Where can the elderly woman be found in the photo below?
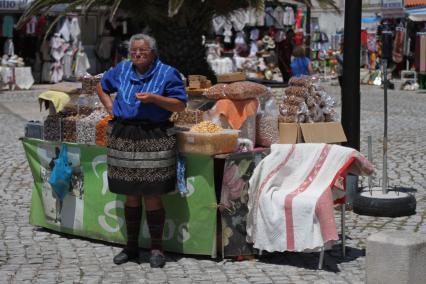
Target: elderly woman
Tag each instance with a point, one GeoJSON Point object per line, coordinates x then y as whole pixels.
{"type": "Point", "coordinates": [141, 149]}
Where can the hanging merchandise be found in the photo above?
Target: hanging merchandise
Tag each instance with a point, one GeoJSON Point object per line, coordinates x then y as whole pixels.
{"type": "Point", "coordinates": [371, 41]}
{"type": "Point", "coordinates": [289, 19]}
{"type": "Point", "coordinates": [299, 16]}
{"type": "Point", "coordinates": [398, 45]}
{"type": "Point", "coordinates": [65, 30]}
{"type": "Point", "coordinates": [269, 19]}
{"type": "Point", "coordinates": [227, 33]}
{"type": "Point", "coordinates": [8, 24]}
{"type": "Point", "coordinates": [218, 24]}
{"type": "Point", "coordinates": [41, 26]}
{"type": "Point", "coordinates": [9, 48]}
{"type": "Point", "coordinates": [68, 59]}
{"type": "Point", "coordinates": [279, 17]}
{"type": "Point", "coordinates": [81, 63]}
{"type": "Point", "coordinates": [254, 34]}
{"type": "Point", "coordinates": [240, 44]}
{"type": "Point", "coordinates": [57, 47]}
{"type": "Point", "coordinates": [420, 58]}
{"type": "Point", "coordinates": [364, 38]}
{"type": "Point", "coordinates": [30, 27]}
{"type": "Point", "coordinates": [239, 19]}
{"type": "Point", "coordinates": [56, 72]}
{"type": "Point", "coordinates": [75, 30]}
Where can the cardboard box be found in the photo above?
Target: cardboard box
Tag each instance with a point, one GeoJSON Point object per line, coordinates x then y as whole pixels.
{"type": "Point", "coordinates": [320, 132]}
{"type": "Point", "coordinates": [200, 78]}
{"type": "Point", "coordinates": [231, 77]}
{"type": "Point", "coordinates": [194, 84]}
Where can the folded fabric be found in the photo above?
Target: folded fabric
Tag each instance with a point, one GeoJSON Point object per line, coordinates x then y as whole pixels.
{"type": "Point", "coordinates": [291, 195]}
{"type": "Point", "coordinates": [236, 112]}
{"type": "Point", "coordinates": [58, 99]}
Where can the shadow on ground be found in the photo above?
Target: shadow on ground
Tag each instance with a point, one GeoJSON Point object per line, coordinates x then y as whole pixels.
{"type": "Point", "coordinates": [332, 257]}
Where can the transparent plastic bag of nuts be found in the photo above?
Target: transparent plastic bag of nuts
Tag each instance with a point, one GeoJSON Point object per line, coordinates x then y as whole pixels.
{"type": "Point", "coordinates": [216, 92]}
{"type": "Point", "coordinates": [246, 90]}
{"type": "Point", "coordinates": [267, 132]}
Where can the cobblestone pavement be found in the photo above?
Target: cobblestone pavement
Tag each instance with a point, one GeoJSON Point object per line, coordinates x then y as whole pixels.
{"type": "Point", "coordinates": [35, 255]}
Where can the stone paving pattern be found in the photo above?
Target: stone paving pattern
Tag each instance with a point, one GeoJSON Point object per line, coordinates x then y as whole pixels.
{"type": "Point", "coordinates": [35, 255]}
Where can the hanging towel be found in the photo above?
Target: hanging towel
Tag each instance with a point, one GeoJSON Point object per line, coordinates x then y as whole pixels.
{"type": "Point", "coordinates": [236, 112]}
{"type": "Point", "coordinates": [291, 195]}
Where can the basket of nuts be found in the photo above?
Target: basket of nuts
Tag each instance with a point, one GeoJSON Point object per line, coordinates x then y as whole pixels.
{"type": "Point", "coordinates": [207, 138]}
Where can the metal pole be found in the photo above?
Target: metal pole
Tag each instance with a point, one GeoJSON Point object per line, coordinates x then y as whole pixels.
{"type": "Point", "coordinates": [343, 224]}
{"type": "Point", "coordinates": [370, 158]}
{"type": "Point", "coordinates": [385, 130]}
{"type": "Point", "coordinates": [351, 70]}
{"type": "Point", "coordinates": [308, 32]}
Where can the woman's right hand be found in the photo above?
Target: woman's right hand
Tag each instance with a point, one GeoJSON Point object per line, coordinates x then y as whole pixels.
{"type": "Point", "coordinates": [109, 110]}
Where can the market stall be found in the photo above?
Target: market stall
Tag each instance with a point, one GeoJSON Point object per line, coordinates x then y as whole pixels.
{"type": "Point", "coordinates": [223, 135]}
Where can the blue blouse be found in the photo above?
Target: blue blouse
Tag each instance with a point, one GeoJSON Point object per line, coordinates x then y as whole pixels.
{"type": "Point", "coordinates": [299, 66]}
{"type": "Point", "coordinates": [160, 79]}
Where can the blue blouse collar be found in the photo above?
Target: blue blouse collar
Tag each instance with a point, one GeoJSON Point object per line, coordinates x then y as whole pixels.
{"type": "Point", "coordinates": [135, 76]}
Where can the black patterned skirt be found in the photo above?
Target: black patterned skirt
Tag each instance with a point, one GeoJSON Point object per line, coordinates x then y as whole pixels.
{"type": "Point", "coordinates": [141, 157]}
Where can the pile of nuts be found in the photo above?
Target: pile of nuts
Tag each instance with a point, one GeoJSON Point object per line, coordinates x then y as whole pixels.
{"type": "Point", "coordinates": [52, 127]}
{"type": "Point", "coordinates": [89, 83]}
{"type": "Point", "coordinates": [304, 102]}
{"type": "Point", "coordinates": [186, 117]}
{"type": "Point", "coordinates": [216, 92]}
{"type": "Point", "coordinates": [267, 132]}
{"type": "Point", "coordinates": [101, 131]}
{"type": "Point", "coordinates": [245, 90]}
{"type": "Point", "coordinates": [86, 127]}
{"type": "Point", "coordinates": [206, 127]}
{"type": "Point", "coordinates": [69, 128]}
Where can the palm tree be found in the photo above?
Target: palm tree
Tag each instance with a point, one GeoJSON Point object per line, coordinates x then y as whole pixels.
{"type": "Point", "coordinates": [177, 25]}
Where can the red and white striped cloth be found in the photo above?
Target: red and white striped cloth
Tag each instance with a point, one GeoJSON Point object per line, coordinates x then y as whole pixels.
{"type": "Point", "coordinates": [291, 195]}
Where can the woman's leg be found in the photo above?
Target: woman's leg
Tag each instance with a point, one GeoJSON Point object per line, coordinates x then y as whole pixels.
{"type": "Point", "coordinates": [133, 216]}
{"type": "Point", "coordinates": [155, 217]}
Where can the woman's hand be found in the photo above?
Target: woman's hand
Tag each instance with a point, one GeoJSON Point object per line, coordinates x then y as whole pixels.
{"type": "Point", "coordinates": [146, 97]}
{"type": "Point", "coordinates": [170, 104]}
{"type": "Point", "coordinates": [109, 110]}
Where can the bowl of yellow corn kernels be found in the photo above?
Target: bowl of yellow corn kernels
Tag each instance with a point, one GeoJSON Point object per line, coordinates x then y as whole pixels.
{"type": "Point", "coordinates": [207, 138]}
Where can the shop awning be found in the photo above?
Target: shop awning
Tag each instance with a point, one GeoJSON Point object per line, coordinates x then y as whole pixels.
{"type": "Point", "coordinates": [414, 3]}
{"type": "Point", "coordinates": [417, 15]}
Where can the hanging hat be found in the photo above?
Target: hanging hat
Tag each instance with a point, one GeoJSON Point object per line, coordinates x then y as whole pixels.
{"type": "Point", "coordinates": [266, 39]}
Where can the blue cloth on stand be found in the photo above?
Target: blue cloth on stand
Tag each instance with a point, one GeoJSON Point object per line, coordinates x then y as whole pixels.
{"type": "Point", "coordinates": [181, 174]}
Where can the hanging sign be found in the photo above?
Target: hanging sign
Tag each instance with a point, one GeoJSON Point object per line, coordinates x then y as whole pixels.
{"type": "Point", "coordinates": [393, 9]}
{"type": "Point", "coordinates": [14, 5]}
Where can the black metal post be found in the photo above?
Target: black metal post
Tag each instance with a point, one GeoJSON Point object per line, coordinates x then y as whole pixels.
{"type": "Point", "coordinates": [351, 69]}
{"type": "Point", "coordinates": [308, 32]}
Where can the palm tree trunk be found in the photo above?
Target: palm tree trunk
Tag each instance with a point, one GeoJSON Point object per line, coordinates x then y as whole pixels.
{"type": "Point", "coordinates": [183, 49]}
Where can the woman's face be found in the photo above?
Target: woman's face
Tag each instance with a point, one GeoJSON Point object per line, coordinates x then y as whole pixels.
{"type": "Point", "coordinates": [141, 54]}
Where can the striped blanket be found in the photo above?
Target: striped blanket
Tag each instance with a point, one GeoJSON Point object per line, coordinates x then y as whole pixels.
{"type": "Point", "coordinates": [291, 195]}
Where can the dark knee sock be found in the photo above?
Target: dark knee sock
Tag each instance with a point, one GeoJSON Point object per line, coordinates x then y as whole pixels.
{"type": "Point", "coordinates": [133, 217]}
{"type": "Point", "coordinates": [155, 220]}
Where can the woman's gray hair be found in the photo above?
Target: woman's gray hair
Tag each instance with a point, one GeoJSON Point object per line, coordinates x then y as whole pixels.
{"type": "Point", "coordinates": [149, 39]}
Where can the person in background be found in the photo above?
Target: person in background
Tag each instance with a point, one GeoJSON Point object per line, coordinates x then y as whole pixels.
{"type": "Point", "coordinates": [141, 155]}
{"type": "Point", "coordinates": [300, 65]}
{"type": "Point", "coordinates": [284, 52]}
{"type": "Point", "coordinates": [339, 67]}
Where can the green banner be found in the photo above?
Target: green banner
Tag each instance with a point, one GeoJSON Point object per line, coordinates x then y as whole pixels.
{"type": "Point", "coordinates": [90, 210]}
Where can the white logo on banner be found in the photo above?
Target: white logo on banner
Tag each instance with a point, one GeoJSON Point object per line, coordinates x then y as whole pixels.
{"type": "Point", "coordinates": [113, 205]}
